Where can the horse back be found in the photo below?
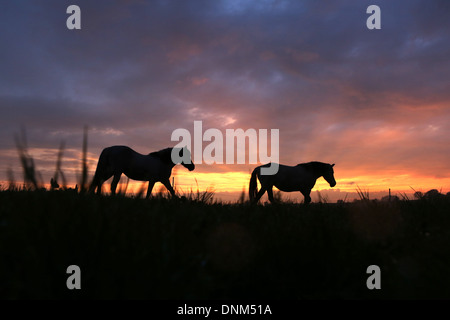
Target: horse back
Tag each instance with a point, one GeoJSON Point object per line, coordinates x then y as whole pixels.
{"type": "Point", "coordinates": [117, 158]}
{"type": "Point", "coordinates": [119, 152]}
{"type": "Point", "coordinates": [136, 166]}
{"type": "Point", "coordinates": [289, 178]}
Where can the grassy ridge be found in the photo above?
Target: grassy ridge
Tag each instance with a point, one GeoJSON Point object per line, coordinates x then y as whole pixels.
{"type": "Point", "coordinates": [174, 249]}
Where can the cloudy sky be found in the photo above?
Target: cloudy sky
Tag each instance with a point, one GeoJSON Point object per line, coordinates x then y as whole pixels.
{"type": "Point", "coordinates": [375, 102]}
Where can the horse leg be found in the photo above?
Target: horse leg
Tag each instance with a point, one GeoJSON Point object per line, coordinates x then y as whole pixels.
{"type": "Point", "coordinates": [98, 182]}
{"type": "Point", "coordinates": [149, 189]}
{"type": "Point", "coordinates": [306, 195]}
{"type": "Point", "coordinates": [93, 185]}
{"type": "Point", "coordinates": [270, 194]}
{"type": "Point", "coordinates": [102, 180]}
{"type": "Point", "coordinates": [260, 194]}
{"type": "Point", "coordinates": [166, 183]}
{"type": "Point", "coordinates": [115, 182]}
{"type": "Point", "coordinates": [98, 185]}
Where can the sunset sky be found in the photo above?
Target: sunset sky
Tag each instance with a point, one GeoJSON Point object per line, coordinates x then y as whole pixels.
{"type": "Point", "coordinates": [375, 102]}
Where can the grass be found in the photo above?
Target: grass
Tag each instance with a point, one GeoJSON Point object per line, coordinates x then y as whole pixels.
{"type": "Point", "coordinates": [183, 249]}
{"type": "Point", "coordinates": [364, 195]}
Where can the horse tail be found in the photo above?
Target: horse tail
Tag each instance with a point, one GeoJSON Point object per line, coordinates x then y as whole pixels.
{"type": "Point", "coordinates": [253, 186]}
{"type": "Point", "coordinates": [101, 165]}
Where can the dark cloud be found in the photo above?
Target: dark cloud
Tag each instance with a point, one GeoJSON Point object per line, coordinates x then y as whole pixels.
{"type": "Point", "coordinates": [140, 69]}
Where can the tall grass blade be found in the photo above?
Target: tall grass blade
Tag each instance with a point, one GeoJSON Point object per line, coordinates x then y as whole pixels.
{"type": "Point", "coordinates": [27, 162]}
{"type": "Point", "coordinates": [84, 166]}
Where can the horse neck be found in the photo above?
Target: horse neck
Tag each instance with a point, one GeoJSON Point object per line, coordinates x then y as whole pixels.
{"type": "Point", "coordinates": [171, 165]}
{"type": "Point", "coordinates": [164, 156]}
{"type": "Point", "coordinates": [316, 172]}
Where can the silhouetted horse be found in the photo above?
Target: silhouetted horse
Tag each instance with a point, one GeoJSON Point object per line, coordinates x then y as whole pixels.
{"type": "Point", "coordinates": [154, 167]}
{"type": "Point", "coordinates": [301, 177]}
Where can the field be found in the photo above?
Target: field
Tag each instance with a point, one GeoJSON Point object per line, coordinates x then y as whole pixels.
{"type": "Point", "coordinates": [198, 249]}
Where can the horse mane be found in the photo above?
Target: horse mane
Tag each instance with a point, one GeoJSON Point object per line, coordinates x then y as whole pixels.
{"type": "Point", "coordinates": [165, 155]}
{"type": "Point", "coordinates": [314, 166]}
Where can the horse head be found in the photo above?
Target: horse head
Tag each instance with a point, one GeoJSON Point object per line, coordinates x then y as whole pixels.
{"type": "Point", "coordinates": [328, 175]}
{"type": "Point", "coordinates": [183, 157]}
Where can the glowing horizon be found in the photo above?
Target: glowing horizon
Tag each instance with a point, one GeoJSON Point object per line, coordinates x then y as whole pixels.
{"type": "Point", "coordinates": [375, 102]}
{"type": "Point", "coordinates": [229, 185]}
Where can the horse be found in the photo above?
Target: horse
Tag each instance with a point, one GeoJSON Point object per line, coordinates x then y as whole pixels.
{"type": "Point", "coordinates": [301, 177]}
{"type": "Point", "coordinates": [153, 167]}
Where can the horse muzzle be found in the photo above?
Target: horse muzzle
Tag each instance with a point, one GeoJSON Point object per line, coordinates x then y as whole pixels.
{"type": "Point", "coordinates": [332, 184]}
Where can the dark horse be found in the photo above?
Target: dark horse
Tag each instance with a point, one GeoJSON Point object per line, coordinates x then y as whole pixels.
{"type": "Point", "coordinates": [301, 177]}
{"type": "Point", "coordinates": [154, 167]}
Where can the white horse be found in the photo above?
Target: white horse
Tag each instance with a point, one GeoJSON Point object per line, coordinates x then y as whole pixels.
{"type": "Point", "coordinates": [301, 177]}
{"type": "Point", "coordinates": [154, 167]}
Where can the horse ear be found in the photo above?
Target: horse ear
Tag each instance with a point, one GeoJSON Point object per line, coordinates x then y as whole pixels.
{"type": "Point", "coordinates": [332, 165]}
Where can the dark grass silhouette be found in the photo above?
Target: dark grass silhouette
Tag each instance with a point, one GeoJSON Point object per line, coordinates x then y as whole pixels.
{"type": "Point", "coordinates": [179, 249]}
{"type": "Point", "coordinates": [84, 166]}
{"type": "Point", "coordinates": [58, 171]}
{"type": "Point", "coordinates": [30, 175]}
